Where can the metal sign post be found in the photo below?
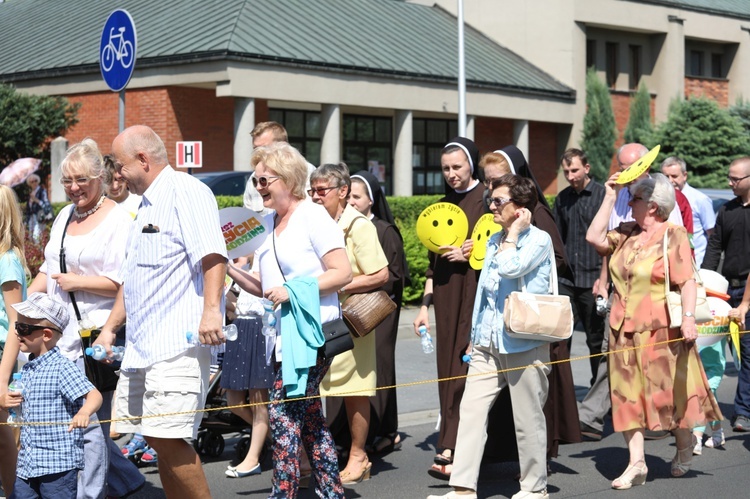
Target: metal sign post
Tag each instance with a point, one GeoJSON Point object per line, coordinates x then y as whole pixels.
{"type": "Point", "coordinates": [117, 54]}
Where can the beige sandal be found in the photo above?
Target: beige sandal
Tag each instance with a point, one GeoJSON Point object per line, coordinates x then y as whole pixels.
{"type": "Point", "coordinates": [633, 475]}
{"type": "Point", "coordinates": [683, 459]}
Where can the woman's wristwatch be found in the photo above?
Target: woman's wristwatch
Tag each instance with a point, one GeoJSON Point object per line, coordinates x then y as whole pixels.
{"type": "Point", "coordinates": [689, 314]}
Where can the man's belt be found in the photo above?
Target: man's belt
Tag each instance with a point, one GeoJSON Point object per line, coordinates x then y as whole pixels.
{"type": "Point", "coordinates": [737, 283]}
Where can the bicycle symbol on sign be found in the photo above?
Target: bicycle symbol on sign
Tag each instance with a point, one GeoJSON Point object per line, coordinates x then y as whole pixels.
{"type": "Point", "coordinates": [123, 52]}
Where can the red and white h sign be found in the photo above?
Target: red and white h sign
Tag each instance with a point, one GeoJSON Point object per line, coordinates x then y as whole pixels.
{"type": "Point", "coordinates": [189, 154]}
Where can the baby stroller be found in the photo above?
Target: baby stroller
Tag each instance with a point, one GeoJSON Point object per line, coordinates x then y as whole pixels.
{"type": "Point", "coordinates": [218, 422]}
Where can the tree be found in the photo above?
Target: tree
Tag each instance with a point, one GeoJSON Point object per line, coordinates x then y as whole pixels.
{"type": "Point", "coordinates": [707, 137]}
{"type": "Point", "coordinates": [639, 128]}
{"type": "Point", "coordinates": [599, 134]}
{"type": "Point", "coordinates": [27, 122]}
{"type": "Point", "coordinates": [741, 111]}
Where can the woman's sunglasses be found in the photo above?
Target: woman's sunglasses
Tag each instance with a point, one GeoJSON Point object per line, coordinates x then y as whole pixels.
{"type": "Point", "coordinates": [320, 191]}
{"type": "Point", "coordinates": [263, 181]}
{"type": "Point", "coordinates": [499, 202]}
{"type": "Point", "coordinates": [24, 329]}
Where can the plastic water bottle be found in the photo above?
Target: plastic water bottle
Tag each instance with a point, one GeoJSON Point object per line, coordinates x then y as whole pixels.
{"type": "Point", "coordinates": [98, 352]}
{"type": "Point", "coordinates": [14, 413]}
{"type": "Point", "coordinates": [601, 305]}
{"type": "Point", "coordinates": [269, 318]}
{"type": "Point", "coordinates": [230, 334]}
{"type": "Point", "coordinates": [427, 346]}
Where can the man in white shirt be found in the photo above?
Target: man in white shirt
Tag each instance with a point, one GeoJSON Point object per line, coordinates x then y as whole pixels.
{"type": "Point", "coordinates": [704, 218]}
{"type": "Point", "coordinates": [173, 279]}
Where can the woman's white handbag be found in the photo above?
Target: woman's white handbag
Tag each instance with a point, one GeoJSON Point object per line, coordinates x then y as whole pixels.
{"type": "Point", "coordinates": [674, 299]}
{"type": "Point", "coordinates": [539, 317]}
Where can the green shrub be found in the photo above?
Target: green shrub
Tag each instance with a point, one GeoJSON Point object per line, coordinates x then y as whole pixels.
{"type": "Point", "coordinates": [599, 134]}
{"type": "Point", "coordinates": [639, 128]}
{"type": "Point", "coordinates": [406, 210]}
{"type": "Point", "coordinates": [706, 136]}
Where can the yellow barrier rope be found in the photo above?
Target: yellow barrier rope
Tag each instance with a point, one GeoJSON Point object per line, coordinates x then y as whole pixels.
{"type": "Point", "coordinates": [354, 392]}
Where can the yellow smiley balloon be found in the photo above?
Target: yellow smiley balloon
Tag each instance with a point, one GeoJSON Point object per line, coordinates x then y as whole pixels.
{"type": "Point", "coordinates": [484, 228]}
{"type": "Point", "coordinates": [442, 224]}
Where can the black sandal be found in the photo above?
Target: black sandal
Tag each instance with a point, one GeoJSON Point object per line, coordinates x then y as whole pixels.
{"type": "Point", "coordinates": [385, 444]}
{"type": "Point", "coordinates": [442, 459]}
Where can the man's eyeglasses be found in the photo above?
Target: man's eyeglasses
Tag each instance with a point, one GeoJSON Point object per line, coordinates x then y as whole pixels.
{"type": "Point", "coordinates": [80, 181]}
{"type": "Point", "coordinates": [735, 180]}
{"type": "Point", "coordinates": [24, 329]}
{"type": "Point", "coordinates": [499, 202]}
{"type": "Point", "coordinates": [264, 181]}
{"type": "Point", "coordinates": [320, 191]}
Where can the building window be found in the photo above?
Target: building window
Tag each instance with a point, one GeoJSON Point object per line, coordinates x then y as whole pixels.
{"type": "Point", "coordinates": [612, 66]}
{"type": "Point", "coordinates": [368, 145]}
{"type": "Point", "coordinates": [696, 63]}
{"type": "Point", "coordinates": [635, 66]}
{"type": "Point", "coordinates": [590, 54]}
{"type": "Point", "coordinates": [429, 138]}
{"type": "Point", "coordinates": [303, 128]}
{"type": "Point", "coordinates": [716, 69]}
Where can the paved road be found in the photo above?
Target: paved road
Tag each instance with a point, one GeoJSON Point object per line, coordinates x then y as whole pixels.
{"type": "Point", "coordinates": [581, 470]}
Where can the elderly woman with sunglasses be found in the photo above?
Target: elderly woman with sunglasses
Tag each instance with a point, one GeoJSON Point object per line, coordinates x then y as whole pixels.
{"type": "Point", "coordinates": [518, 254]}
{"type": "Point", "coordinates": [653, 386]}
{"type": "Point", "coordinates": [353, 371]}
{"type": "Point", "coordinates": [90, 230]}
{"type": "Point", "coordinates": [304, 248]}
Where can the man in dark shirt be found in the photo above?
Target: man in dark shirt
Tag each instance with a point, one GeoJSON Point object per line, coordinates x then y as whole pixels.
{"type": "Point", "coordinates": [732, 236]}
{"type": "Point", "coordinates": [575, 207]}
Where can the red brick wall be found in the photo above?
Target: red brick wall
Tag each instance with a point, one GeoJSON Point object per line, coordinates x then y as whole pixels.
{"type": "Point", "coordinates": [621, 108]}
{"type": "Point", "coordinates": [714, 89]}
{"type": "Point", "coordinates": [175, 113]}
{"type": "Point", "coordinates": [543, 154]}
{"type": "Point", "coordinates": [491, 134]}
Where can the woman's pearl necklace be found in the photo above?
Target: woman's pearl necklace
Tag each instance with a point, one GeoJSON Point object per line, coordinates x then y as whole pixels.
{"type": "Point", "coordinates": [98, 205]}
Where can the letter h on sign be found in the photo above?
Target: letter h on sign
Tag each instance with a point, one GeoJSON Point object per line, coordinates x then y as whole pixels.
{"type": "Point", "coordinates": [189, 154]}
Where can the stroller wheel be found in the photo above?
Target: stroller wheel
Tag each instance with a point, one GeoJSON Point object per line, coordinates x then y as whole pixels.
{"type": "Point", "coordinates": [199, 442]}
{"type": "Point", "coordinates": [213, 444]}
{"type": "Point", "coordinates": [242, 447]}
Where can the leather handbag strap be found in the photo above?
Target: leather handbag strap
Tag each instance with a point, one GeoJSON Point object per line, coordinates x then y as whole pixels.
{"type": "Point", "coordinates": [552, 277]}
{"type": "Point", "coordinates": [63, 265]}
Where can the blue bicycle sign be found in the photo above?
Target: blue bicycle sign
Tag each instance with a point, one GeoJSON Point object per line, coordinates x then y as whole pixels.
{"type": "Point", "coordinates": [117, 50]}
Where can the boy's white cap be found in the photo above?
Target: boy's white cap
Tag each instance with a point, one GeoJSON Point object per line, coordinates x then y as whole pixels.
{"type": "Point", "coordinates": [41, 306]}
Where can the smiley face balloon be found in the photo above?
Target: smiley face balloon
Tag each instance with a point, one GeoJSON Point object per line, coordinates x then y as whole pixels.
{"type": "Point", "coordinates": [484, 228]}
{"type": "Point", "coordinates": [442, 224]}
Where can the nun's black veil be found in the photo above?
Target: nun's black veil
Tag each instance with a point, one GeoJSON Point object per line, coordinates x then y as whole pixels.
{"type": "Point", "coordinates": [382, 211]}
{"type": "Point", "coordinates": [470, 149]}
{"type": "Point", "coordinates": [520, 166]}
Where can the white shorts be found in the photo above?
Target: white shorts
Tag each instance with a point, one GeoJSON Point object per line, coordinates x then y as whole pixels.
{"type": "Point", "coordinates": [177, 385]}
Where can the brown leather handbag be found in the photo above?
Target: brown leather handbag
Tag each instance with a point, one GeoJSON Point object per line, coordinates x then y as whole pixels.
{"type": "Point", "coordinates": [363, 312]}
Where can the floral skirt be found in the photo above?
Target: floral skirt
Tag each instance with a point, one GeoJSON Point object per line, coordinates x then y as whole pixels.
{"type": "Point", "coordinates": [662, 387]}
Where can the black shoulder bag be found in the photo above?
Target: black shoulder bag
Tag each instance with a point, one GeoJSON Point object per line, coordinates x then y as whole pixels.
{"type": "Point", "coordinates": [103, 376]}
{"type": "Point", "coordinates": [337, 337]}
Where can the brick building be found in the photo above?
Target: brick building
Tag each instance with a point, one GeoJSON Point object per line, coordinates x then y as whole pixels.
{"type": "Point", "coordinates": [373, 82]}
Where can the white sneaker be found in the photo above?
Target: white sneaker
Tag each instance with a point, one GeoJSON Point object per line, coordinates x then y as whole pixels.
{"type": "Point", "coordinates": [698, 449]}
{"type": "Point", "coordinates": [540, 494]}
{"type": "Point", "coordinates": [717, 439]}
{"type": "Point", "coordinates": [454, 495]}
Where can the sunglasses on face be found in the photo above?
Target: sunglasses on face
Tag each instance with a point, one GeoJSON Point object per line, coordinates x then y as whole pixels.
{"type": "Point", "coordinates": [23, 329]}
{"type": "Point", "coordinates": [499, 202]}
{"type": "Point", "coordinates": [264, 181]}
{"type": "Point", "coordinates": [320, 191]}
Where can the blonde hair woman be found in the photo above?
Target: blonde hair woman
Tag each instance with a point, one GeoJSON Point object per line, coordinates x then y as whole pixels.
{"type": "Point", "coordinates": [13, 280]}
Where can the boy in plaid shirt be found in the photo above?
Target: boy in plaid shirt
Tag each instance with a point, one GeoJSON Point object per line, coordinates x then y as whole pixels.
{"type": "Point", "coordinates": [54, 390]}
